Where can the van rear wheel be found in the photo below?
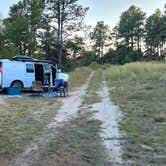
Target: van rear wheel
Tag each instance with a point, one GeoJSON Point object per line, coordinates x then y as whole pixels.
{"type": "Point", "coordinates": [17, 84]}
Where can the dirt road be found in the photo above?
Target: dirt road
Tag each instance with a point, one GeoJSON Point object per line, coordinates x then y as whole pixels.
{"type": "Point", "coordinates": [105, 112]}
{"type": "Point", "coordinates": [70, 106]}
{"type": "Point", "coordinates": [110, 116]}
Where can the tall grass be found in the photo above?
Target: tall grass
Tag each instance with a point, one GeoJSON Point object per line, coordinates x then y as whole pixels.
{"type": "Point", "coordinates": [78, 77]}
{"type": "Point", "coordinates": [140, 91]}
{"type": "Point", "coordinates": [137, 72]}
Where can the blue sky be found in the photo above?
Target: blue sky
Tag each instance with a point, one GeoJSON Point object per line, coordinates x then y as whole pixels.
{"type": "Point", "coordinates": [103, 10]}
{"type": "Point", "coordinates": [110, 10]}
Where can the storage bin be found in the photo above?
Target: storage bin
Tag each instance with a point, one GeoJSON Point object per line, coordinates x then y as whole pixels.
{"type": "Point", "coordinates": [13, 91]}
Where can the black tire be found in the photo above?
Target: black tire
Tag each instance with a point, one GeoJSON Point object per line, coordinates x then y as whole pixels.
{"type": "Point", "coordinates": [17, 84]}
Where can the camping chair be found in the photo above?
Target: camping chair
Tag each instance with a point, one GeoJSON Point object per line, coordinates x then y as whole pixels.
{"type": "Point", "coordinates": [37, 88]}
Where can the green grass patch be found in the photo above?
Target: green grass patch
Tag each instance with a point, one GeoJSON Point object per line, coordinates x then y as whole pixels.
{"type": "Point", "coordinates": [94, 86]}
{"type": "Point", "coordinates": [139, 90]}
{"type": "Point", "coordinates": [77, 143]}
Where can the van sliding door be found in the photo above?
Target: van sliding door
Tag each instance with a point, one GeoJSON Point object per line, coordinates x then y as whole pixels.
{"type": "Point", "coordinates": [0, 74]}
{"type": "Point", "coordinates": [47, 74]}
{"type": "Point", "coordinates": [53, 75]}
{"type": "Point", "coordinates": [39, 73]}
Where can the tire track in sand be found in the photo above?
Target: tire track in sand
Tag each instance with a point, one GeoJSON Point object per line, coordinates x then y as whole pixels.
{"type": "Point", "coordinates": [109, 115]}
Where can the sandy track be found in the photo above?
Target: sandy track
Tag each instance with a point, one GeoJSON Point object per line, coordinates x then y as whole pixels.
{"type": "Point", "coordinates": [70, 105]}
{"type": "Point", "coordinates": [110, 116]}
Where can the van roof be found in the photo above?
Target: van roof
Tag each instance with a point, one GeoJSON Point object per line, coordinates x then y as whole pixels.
{"type": "Point", "coordinates": [28, 60]}
{"type": "Point", "coordinates": [4, 60]}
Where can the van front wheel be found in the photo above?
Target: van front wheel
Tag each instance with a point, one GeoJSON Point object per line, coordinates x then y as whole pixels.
{"type": "Point", "coordinates": [17, 84]}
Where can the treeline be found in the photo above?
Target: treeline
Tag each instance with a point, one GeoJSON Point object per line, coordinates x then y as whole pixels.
{"type": "Point", "coordinates": [135, 38]}
{"type": "Point", "coordinates": [48, 29]}
{"type": "Point", "coordinates": [41, 28]}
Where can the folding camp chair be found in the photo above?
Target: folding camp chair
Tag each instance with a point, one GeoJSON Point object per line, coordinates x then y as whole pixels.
{"type": "Point", "coordinates": [37, 88]}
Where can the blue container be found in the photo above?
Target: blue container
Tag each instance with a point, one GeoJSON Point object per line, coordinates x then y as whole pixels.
{"type": "Point", "coordinates": [13, 91]}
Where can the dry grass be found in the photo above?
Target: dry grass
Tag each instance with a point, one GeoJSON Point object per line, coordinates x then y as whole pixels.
{"type": "Point", "coordinates": [77, 143]}
{"type": "Point", "coordinates": [94, 86]}
{"type": "Point", "coordinates": [139, 89]}
{"type": "Point", "coordinates": [21, 120]}
{"type": "Point", "coordinates": [78, 77]}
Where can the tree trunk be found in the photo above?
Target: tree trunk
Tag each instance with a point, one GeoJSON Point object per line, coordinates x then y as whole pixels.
{"type": "Point", "coordinates": [20, 48]}
{"type": "Point", "coordinates": [132, 42]}
{"type": "Point", "coordinates": [59, 51]}
{"type": "Point", "coordinates": [61, 34]}
{"type": "Point", "coordinates": [138, 37]}
{"type": "Point", "coordinates": [158, 52]}
{"type": "Point", "coordinates": [101, 53]}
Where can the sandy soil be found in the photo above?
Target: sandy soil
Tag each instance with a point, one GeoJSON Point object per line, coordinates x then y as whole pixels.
{"type": "Point", "coordinates": [70, 105]}
{"type": "Point", "coordinates": [109, 115]}
{"type": "Point", "coordinates": [2, 102]}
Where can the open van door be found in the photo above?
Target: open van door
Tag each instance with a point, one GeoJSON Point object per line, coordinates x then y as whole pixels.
{"type": "Point", "coordinates": [53, 74]}
{"type": "Point", "coordinates": [39, 73]}
{"type": "Point", "coordinates": [0, 74]}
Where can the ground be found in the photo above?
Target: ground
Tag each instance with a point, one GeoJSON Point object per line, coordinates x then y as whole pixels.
{"type": "Point", "coordinates": [113, 116]}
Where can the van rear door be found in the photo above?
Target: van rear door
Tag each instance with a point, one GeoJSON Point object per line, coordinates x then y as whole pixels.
{"type": "Point", "coordinates": [0, 74]}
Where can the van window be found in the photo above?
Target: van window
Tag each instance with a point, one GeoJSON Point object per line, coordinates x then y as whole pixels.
{"type": "Point", "coordinates": [29, 68]}
{"type": "Point", "coordinates": [47, 68]}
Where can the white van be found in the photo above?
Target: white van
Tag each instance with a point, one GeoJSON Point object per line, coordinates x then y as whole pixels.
{"type": "Point", "coordinates": [22, 73]}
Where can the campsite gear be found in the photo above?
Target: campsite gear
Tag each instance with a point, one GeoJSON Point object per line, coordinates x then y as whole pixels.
{"type": "Point", "coordinates": [37, 88]}
{"type": "Point", "coordinates": [13, 91]}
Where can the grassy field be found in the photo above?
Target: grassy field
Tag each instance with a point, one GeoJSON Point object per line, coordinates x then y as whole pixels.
{"type": "Point", "coordinates": [22, 119]}
{"type": "Point", "coordinates": [140, 91]}
{"type": "Point", "coordinates": [78, 141]}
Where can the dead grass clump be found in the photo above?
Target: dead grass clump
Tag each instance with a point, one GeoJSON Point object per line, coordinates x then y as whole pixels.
{"type": "Point", "coordinates": [161, 117]}
{"type": "Point", "coordinates": [78, 77]}
{"type": "Point", "coordinates": [94, 85]}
